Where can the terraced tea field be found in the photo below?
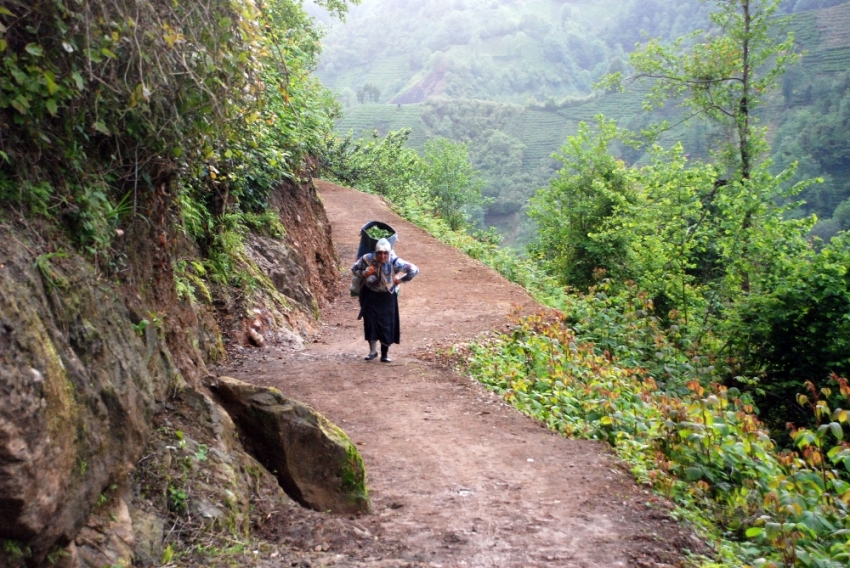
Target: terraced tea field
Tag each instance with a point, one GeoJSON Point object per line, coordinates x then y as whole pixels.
{"type": "Point", "coordinates": [388, 75]}
{"type": "Point", "coordinates": [823, 35]}
{"type": "Point", "coordinates": [834, 26]}
{"type": "Point", "coordinates": [542, 132]}
{"type": "Point", "coordinates": [361, 120]}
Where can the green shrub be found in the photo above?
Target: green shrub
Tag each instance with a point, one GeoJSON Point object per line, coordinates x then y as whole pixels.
{"type": "Point", "coordinates": [702, 446]}
{"type": "Point", "coordinates": [798, 331]}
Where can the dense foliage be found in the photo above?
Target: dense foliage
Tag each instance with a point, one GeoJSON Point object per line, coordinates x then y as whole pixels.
{"type": "Point", "coordinates": [578, 202]}
{"type": "Point", "coordinates": [701, 446]}
{"type": "Point", "coordinates": [441, 182]}
{"type": "Point", "coordinates": [712, 244]}
{"type": "Point", "coordinates": [108, 106]}
{"type": "Point", "coordinates": [451, 181]}
{"type": "Point", "coordinates": [797, 330]}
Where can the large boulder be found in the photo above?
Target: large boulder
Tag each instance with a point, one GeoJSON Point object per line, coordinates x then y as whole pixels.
{"type": "Point", "coordinates": [315, 462]}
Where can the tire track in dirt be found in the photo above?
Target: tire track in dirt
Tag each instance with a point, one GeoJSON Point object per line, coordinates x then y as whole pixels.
{"type": "Point", "coordinates": [457, 477]}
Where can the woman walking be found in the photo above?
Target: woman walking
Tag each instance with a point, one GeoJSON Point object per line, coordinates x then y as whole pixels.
{"type": "Point", "coordinates": [381, 273]}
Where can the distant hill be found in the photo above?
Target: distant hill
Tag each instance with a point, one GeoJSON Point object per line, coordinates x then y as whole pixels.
{"type": "Point", "coordinates": [501, 50]}
{"type": "Point", "coordinates": [513, 80]}
{"type": "Point", "coordinates": [809, 118]}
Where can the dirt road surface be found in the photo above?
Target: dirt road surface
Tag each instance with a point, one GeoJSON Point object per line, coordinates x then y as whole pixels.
{"type": "Point", "coordinates": [457, 478]}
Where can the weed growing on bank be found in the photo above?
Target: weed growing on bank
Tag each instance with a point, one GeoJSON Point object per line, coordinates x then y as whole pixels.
{"type": "Point", "coordinates": [701, 446]}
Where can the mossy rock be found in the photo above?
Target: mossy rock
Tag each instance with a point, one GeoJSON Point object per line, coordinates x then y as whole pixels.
{"type": "Point", "coordinates": [314, 460]}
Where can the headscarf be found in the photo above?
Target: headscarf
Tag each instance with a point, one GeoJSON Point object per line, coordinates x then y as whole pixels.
{"type": "Point", "coordinates": [383, 245]}
{"type": "Point", "coordinates": [385, 270]}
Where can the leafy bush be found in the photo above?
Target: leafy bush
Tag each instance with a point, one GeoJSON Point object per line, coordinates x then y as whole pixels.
{"type": "Point", "coordinates": [376, 165]}
{"type": "Point", "coordinates": [702, 446]}
{"type": "Point", "coordinates": [442, 181]}
{"type": "Point", "coordinates": [797, 331]}
{"type": "Point", "coordinates": [578, 202]}
{"type": "Point", "coordinates": [620, 321]}
{"type": "Point", "coordinates": [452, 183]}
{"type": "Point", "coordinates": [105, 104]}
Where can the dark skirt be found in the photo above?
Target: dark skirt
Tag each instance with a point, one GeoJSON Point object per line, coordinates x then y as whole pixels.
{"type": "Point", "coordinates": [379, 311]}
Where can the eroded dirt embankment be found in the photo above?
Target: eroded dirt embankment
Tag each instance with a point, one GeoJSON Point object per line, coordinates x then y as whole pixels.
{"type": "Point", "coordinates": [457, 477]}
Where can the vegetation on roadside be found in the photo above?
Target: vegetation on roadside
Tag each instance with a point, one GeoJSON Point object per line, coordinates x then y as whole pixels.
{"type": "Point", "coordinates": [441, 181]}
{"type": "Point", "coordinates": [687, 436]}
{"type": "Point", "coordinates": [128, 127]}
{"type": "Point", "coordinates": [114, 112]}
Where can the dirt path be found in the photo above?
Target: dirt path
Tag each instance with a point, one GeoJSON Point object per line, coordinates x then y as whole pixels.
{"type": "Point", "coordinates": [457, 477]}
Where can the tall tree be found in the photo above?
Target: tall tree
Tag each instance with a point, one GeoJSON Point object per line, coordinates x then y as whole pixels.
{"type": "Point", "coordinates": [451, 180]}
{"type": "Point", "coordinates": [724, 74]}
{"type": "Point", "coordinates": [579, 201]}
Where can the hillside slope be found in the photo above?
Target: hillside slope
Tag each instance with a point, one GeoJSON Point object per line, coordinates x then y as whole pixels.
{"type": "Point", "coordinates": [111, 448]}
{"type": "Point", "coordinates": [489, 49]}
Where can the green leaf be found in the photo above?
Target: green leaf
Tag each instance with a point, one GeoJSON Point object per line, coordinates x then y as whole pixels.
{"type": "Point", "coordinates": [167, 554]}
{"type": "Point", "coordinates": [693, 473]}
{"type": "Point", "coordinates": [772, 530]}
{"type": "Point", "coordinates": [108, 53]}
{"type": "Point", "coordinates": [34, 49]}
{"type": "Point", "coordinates": [6, 12]}
{"type": "Point", "coordinates": [20, 76]}
{"type": "Point", "coordinates": [754, 532]}
{"type": "Point", "coordinates": [21, 104]}
{"type": "Point", "coordinates": [2, 45]}
{"type": "Point", "coordinates": [50, 81]}
{"type": "Point", "coordinates": [836, 430]}
{"type": "Point", "coordinates": [101, 127]}
{"type": "Point", "coordinates": [78, 79]}
{"type": "Point", "coordinates": [52, 107]}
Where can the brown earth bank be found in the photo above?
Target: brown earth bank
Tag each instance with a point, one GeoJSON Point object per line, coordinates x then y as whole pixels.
{"type": "Point", "coordinates": [112, 451]}
{"type": "Point", "coordinates": [457, 477]}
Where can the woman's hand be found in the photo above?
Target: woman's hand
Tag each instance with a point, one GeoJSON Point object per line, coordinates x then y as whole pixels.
{"type": "Point", "coordinates": [369, 272]}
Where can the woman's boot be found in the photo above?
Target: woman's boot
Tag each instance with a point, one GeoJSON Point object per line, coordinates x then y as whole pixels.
{"type": "Point", "coordinates": [385, 350]}
{"type": "Point", "coordinates": [372, 351]}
